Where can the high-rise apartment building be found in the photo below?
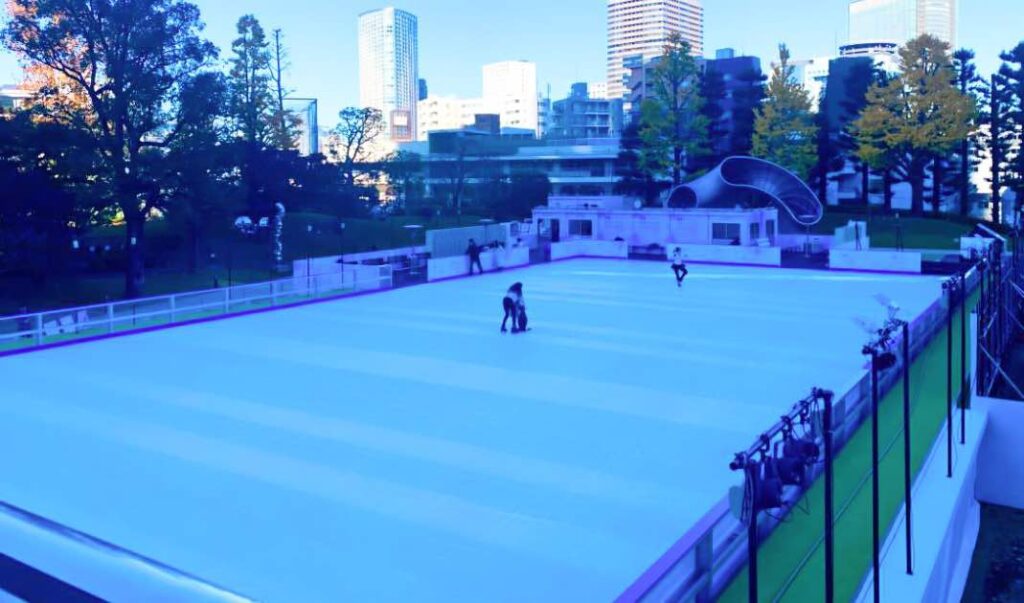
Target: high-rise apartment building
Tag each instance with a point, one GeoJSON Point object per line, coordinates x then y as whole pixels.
{"type": "Point", "coordinates": [510, 90]}
{"type": "Point", "coordinates": [894, 22]}
{"type": "Point", "coordinates": [639, 29]}
{"type": "Point", "coordinates": [389, 69]}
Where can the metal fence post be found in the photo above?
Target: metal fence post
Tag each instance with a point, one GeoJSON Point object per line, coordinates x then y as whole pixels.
{"type": "Point", "coordinates": [963, 361]}
{"type": "Point", "coordinates": [273, 293]}
{"type": "Point", "coordinates": [39, 329]}
{"type": "Point", "coordinates": [951, 291]}
{"type": "Point", "coordinates": [227, 300]}
{"type": "Point", "coordinates": [907, 485]}
{"type": "Point", "coordinates": [110, 318]}
{"type": "Point", "coordinates": [173, 307]}
{"type": "Point", "coordinates": [827, 428]}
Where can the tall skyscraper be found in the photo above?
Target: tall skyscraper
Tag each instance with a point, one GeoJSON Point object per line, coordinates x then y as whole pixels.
{"type": "Point", "coordinates": [638, 30]}
{"type": "Point", "coordinates": [510, 90]}
{"type": "Point", "coordinates": [389, 69]}
{"type": "Point", "coordinates": [894, 22]}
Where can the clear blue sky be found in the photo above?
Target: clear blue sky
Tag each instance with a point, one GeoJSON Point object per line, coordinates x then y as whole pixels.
{"type": "Point", "coordinates": [566, 38]}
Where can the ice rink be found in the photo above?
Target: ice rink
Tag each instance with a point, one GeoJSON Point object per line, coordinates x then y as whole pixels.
{"type": "Point", "coordinates": [397, 447]}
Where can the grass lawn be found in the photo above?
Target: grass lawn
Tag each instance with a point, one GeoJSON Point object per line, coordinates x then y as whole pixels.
{"type": "Point", "coordinates": [305, 235]}
{"type": "Point", "coordinates": [918, 233]}
{"type": "Point", "coordinates": [791, 561]}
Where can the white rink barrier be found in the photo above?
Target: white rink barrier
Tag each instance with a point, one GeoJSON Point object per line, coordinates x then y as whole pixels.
{"type": "Point", "coordinates": [728, 254]}
{"type": "Point", "coordinates": [96, 567]}
{"type": "Point", "coordinates": [875, 260]}
{"type": "Point", "coordinates": [586, 248]}
{"type": "Point", "coordinates": [451, 267]}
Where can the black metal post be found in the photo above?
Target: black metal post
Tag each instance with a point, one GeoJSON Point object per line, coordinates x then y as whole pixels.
{"type": "Point", "coordinates": [906, 445]}
{"type": "Point", "coordinates": [982, 308]}
{"type": "Point", "coordinates": [963, 359]}
{"type": "Point", "coordinates": [875, 536]}
{"type": "Point", "coordinates": [752, 469]}
{"type": "Point", "coordinates": [950, 289]}
{"type": "Point", "coordinates": [829, 503]}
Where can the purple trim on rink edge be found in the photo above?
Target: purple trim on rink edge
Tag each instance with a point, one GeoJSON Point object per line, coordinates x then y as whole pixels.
{"type": "Point", "coordinates": [334, 298]}
{"type": "Point", "coordinates": [660, 568]}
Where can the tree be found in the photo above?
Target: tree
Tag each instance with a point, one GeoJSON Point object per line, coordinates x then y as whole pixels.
{"type": "Point", "coordinates": [252, 102]}
{"type": "Point", "coordinates": [1012, 73]}
{"type": "Point", "coordinates": [915, 116]}
{"type": "Point", "coordinates": [199, 182]}
{"type": "Point", "coordinates": [353, 139]}
{"type": "Point", "coordinates": [784, 132]}
{"type": "Point", "coordinates": [713, 93]}
{"type": "Point", "coordinates": [405, 172]}
{"type": "Point", "coordinates": [672, 128]}
{"type": "Point", "coordinates": [130, 58]}
{"type": "Point", "coordinates": [845, 98]}
{"type": "Point", "coordinates": [284, 124]}
{"type": "Point", "coordinates": [967, 82]}
{"type": "Point", "coordinates": [634, 177]}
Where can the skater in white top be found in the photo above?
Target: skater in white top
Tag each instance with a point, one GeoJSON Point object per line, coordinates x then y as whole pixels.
{"type": "Point", "coordinates": [678, 266]}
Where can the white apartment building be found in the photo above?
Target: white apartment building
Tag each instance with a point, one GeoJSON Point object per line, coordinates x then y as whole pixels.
{"type": "Point", "coordinates": [638, 30]}
{"type": "Point", "coordinates": [389, 69]}
{"type": "Point", "coordinates": [447, 113]}
{"type": "Point", "coordinates": [897, 21]}
{"type": "Point", "coordinates": [510, 91]}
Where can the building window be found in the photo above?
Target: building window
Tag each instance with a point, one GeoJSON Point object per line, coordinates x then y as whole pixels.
{"type": "Point", "coordinates": [727, 233]}
{"type": "Point", "coordinates": [581, 228]}
{"type": "Point", "coordinates": [755, 231]}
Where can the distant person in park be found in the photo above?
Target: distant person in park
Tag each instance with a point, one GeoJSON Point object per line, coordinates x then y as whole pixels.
{"type": "Point", "coordinates": [474, 251]}
{"type": "Point", "coordinates": [512, 303]}
{"type": "Point", "coordinates": [678, 266]}
{"type": "Point", "coordinates": [856, 234]}
{"type": "Point", "coordinates": [899, 233]}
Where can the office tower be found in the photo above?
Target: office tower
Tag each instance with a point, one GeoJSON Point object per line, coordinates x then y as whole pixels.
{"type": "Point", "coordinates": [389, 69]}
{"type": "Point", "coordinates": [639, 29]}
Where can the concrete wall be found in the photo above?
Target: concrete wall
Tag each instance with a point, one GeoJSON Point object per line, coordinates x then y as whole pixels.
{"type": "Point", "coordinates": [1001, 475]}
{"type": "Point", "coordinates": [450, 267]}
{"type": "Point", "coordinates": [586, 248]}
{"type": "Point", "coordinates": [875, 260]}
{"type": "Point", "coordinates": [728, 254]}
{"type": "Point", "coordinates": [656, 226]}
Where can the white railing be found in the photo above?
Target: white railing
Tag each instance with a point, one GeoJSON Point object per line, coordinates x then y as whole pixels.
{"type": "Point", "coordinates": [42, 328]}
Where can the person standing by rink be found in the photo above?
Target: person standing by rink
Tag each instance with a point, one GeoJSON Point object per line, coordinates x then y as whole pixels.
{"type": "Point", "coordinates": [679, 267]}
{"type": "Point", "coordinates": [474, 251]}
{"type": "Point", "coordinates": [512, 303]}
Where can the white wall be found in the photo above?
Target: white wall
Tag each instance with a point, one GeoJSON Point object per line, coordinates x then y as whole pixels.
{"type": "Point", "coordinates": [587, 248]}
{"type": "Point", "coordinates": [1001, 474]}
{"type": "Point", "coordinates": [728, 254]}
{"type": "Point", "coordinates": [454, 266]}
{"type": "Point", "coordinates": [876, 261]}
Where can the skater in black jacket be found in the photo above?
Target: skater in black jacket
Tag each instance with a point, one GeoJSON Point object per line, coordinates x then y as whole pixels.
{"type": "Point", "coordinates": [679, 267]}
{"type": "Point", "coordinates": [512, 303]}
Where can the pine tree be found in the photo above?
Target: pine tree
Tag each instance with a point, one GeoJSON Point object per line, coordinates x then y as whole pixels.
{"type": "Point", "coordinates": [995, 137]}
{"type": "Point", "coordinates": [252, 101]}
{"type": "Point", "coordinates": [672, 128]}
{"type": "Point", "coordinates": [785, 132]}
{"type": "Point", "coordinates": [1012, 73]}
{"type": "Point", "coordinates": [915, 116]}
{"type": "Point", "coordinates": [967, 82]}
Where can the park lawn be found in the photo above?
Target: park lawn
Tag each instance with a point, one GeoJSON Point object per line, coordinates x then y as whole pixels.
{"type": "Point", "coordinates": [918, 233]}
{"type": "Point", "coordinates": [791, 560]}
{"type": "Point", "coordinates": [305, 235]}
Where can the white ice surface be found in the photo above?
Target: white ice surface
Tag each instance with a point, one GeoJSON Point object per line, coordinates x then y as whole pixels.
{"type": "Point", "coordinates": [396, 447]}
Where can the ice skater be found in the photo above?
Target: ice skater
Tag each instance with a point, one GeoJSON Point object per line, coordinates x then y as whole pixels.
{"type": "Point", "coordinates": [679, 267]}
{"type": "Point", "coordinates": [512, 303]}
{"type": "Point", "coordinates": [474, 251]}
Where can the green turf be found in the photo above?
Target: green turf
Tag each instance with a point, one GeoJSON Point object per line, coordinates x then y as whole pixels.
{"type": "Point", "coordinates": [791, 560]}
{"type": "Point", "coordinates": [918, 233]}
